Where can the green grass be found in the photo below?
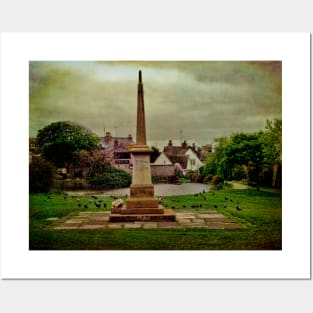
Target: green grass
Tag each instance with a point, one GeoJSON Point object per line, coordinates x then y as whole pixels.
{"type": "Point", "coordinates": [260, 219]}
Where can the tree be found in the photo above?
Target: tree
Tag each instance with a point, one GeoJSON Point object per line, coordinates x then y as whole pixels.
{"type": "Point", "coordinates": [60, 142]}
{"type": "Point", "coordinates": [272, 146]}
{"type": "Point", "coordinates": [154, 154]}
{"type": "Point", "coordinates": [247, 149]}
{"type": "Point", "coordinates": [217, 163]}
{"type": "Point", "coordinates": [41, 175]}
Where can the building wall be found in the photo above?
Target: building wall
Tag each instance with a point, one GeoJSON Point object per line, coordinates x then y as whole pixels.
{"type": "Point", "coordinates": [193, 161]}
{"type": "Point", "coordinates": [162, 160]}
{"type": "Point", "coordinates": [162, 170]}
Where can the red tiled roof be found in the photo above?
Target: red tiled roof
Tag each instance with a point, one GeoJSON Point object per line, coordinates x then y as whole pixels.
{"type": "Point", "coordinates": [175, 150]}
{"type": "Point", "coordinates": [181, 159]}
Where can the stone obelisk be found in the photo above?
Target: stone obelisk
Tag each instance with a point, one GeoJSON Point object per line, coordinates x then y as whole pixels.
{"type": "Point", "coordinates": [141, 205]}
{"type": "Point", "coordinates": [142, 199]}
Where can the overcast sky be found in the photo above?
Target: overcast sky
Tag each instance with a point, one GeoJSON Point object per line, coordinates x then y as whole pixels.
{"type": "Point", "coordinates": [194, 101]}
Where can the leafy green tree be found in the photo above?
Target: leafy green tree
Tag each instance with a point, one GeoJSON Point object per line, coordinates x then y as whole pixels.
{"type": "Point", "coordinates": [217, 163]}
{"type": "Point", "coordinates": [41, 175]}
{"type": "Point", "coordinates": [60, 142]}
{"type": "Point", "coordinates": [247, 149]}
{"type": "Point", "coordinates": [272, 146]}
{"type": "Point", "coordinates": [272, 141]}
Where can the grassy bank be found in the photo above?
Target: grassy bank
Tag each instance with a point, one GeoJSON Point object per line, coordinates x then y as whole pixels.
{"type": "Point", "coordinates": [260, 217]}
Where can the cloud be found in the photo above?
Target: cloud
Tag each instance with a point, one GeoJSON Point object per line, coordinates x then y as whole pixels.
{"type": "Point", "coordinates": [203, 99]}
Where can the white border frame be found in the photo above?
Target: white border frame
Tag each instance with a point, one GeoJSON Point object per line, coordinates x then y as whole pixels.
{"type": "Point", "coordinates": [292, 262]}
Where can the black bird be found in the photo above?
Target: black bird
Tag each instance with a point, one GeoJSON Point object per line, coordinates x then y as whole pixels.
{"type": "Point", "coordinates": [85, 206]}
{"type": "Point", "coordinates": [231, 200]}
{"type": "Point", "coordinates": [226, 198]}
{"type": "Point", "coordinates": [215, 206]}
{"type": "Point", "coordinates": [98, 205]}
{"type": "Point", "coordinates": [238, 208]}
{"type": "Point", "coordinates": [225, 206]}
{"type": "Point", "coordinates": [200, 205]}
{"type": "Point", "coordinates": [79, 205]}
{"type": "Point", "coordinates": [104, 205]}
{"type": "Point", "coordinates": [184, 206]}
{"type": "Point", "coordinates": [173, 207]}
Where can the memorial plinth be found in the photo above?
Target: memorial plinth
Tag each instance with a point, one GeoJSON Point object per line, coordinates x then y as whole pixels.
{"type": "Point", "coordinates": [142, 205]}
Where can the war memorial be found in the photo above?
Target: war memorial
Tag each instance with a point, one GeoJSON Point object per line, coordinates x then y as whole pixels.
{"type": "Point", "coordinates": [142, 205]}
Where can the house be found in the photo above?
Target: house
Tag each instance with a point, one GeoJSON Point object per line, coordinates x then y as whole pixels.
{"type": "Point", "coordinates": [117, 150]}
{"type": "Point", "coordinates": [33, 148]}
{"type": "Point", "coordinates": [184, 158]}
{"type": "Point", "coordinates": [204, 152]}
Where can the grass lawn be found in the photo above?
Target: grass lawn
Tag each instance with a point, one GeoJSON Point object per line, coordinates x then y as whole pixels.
{"type": "Point", "coordinates": [260, 218]}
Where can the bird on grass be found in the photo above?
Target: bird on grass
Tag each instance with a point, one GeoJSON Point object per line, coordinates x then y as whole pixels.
{"type": "Point", "coordinates": [238, 208]}
{"type": "Point", "coordinates": [79, 205]}
{"type": "Point", "coordinates": [215, 206]}
{"type": "Point", "coordinates": [184, 206]}
{"type": "Point", "coordinates": [85, 206]}
{"type": "Point", "coordinates": [226, 198]}
{"type": "Point", "coordinates": [225, 206]}
{"type": "Point", "coordinates": [105, 205]}
{"type": "Point", "coordinates": [98, 205]}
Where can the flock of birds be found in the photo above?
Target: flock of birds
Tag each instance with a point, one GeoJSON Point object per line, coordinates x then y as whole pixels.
{"type": "Point", "coordinates": [204, 197]}
{"type": "Point", "coordinates": [98, 203]}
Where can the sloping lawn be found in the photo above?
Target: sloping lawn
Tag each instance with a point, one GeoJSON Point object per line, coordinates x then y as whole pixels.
{"type": "Point", "coordinates": [260, 217]}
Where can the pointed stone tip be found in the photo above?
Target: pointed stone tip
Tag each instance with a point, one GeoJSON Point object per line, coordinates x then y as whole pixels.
{"type": "Point", "coordinates": [140, 76]}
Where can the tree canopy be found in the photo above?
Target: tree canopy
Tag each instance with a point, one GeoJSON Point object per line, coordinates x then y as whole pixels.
{"type": "Point", "coordinates": [60, 142]}
{"type": "Point", "coordinates": [248, 155]}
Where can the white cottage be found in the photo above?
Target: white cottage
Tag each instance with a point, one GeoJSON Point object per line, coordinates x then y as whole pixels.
{"type": "Point", "coordinates": [194, 162]}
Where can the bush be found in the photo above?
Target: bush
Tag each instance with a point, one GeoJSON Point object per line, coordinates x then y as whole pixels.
{"type": "Point", "coordinates": [111, 178]}
{"type": "Point", "coordinates": [41, 175]}
{"type": "Point", "coordinates": [207, 179]}
{"type": "Point", "coordinates": [217, 180]}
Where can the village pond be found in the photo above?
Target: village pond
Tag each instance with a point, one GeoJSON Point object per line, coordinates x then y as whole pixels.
{"type": "Point", "coordinates": [159, 190]}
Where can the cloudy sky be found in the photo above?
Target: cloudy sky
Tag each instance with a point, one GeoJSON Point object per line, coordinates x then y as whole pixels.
{"type": "Point", "coordinates": [193, 101]}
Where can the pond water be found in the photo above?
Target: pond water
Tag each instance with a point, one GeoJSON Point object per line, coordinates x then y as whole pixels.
{"type": "Point", "coordinates": [159, 190]}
